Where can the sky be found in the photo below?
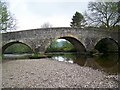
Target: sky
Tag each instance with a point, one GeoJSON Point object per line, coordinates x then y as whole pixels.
{"type": "Point", "coordinates": [31, 14]}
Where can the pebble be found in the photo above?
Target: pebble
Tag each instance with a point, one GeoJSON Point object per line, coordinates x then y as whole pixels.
{"type": "Point", "coordinates": [45, 73]}
{"type": "Point", "coordinates": [32, 72]}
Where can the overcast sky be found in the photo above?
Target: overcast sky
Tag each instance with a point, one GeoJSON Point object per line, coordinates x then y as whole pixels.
{"type": "Point", "coordinates": [32, 14]}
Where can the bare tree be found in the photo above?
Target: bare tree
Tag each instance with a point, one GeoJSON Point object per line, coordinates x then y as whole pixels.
{"type": "Point", "coordinates": [103, 14]}
{"type": "Point", "coordinates": [46, 25]}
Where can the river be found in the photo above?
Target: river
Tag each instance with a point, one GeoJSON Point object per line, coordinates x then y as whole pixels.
{"type": "Point", "coordinates": [107, 63]}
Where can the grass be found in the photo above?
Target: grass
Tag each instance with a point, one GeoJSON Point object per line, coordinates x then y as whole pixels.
{"type": "Point", "coordinates": [38, 56]}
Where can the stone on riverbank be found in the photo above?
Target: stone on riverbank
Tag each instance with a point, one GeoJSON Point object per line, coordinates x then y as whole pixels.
{"type": "Point", "coordinates": [45, 73]}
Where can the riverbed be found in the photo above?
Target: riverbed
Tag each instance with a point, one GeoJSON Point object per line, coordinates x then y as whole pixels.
{"type": "Point", "coordinates": [49, 73]}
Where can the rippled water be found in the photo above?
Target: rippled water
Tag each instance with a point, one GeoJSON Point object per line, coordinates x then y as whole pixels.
{"type": "Point", "coordinates": [108, 63]}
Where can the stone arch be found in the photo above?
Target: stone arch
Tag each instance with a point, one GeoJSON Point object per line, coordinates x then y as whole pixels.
{"type": "Point", "coordinates": [76, 43]}
{"type": "Point", "coordinates": [107, 45]}
{"type": "Point", "coordinates": [4, 47]}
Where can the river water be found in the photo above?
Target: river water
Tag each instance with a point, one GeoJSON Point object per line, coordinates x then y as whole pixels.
{"type": "Point", "coordinates": [107, 63]}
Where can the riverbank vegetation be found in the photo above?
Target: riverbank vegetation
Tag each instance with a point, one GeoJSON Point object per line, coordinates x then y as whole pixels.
{"type": "Point", "coordinates": [18, 48]}
{"type": "Point", "coordinates": [61, 46]}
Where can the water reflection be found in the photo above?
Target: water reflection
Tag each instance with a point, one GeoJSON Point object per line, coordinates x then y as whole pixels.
{"type": "Point", "coordinates": [66, 57]}
{"type": "Point", "coordinates": [16, 56]}
{"type": "Point", "coordinates": [107, 60]}
{"type": "Point", "coordinates": [107, 63]}
{"type": "Point", "coordinates": [70, 57]}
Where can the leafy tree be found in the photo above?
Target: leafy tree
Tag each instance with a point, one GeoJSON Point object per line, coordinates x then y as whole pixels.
{"type": "Point", "coordinates": [46, 25]}
{"type": "Point", "coordinates": [78, 20]}
{"type": "Point", "coordinates": [119, 8]}
{"type": "Point", "coordinates": [7, 22]}
{"type": "Point", "coordinates": [103, 14]}
{"type": "Point", "coordinates": [62, 46]}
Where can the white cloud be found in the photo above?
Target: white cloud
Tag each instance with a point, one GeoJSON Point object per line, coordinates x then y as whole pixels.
{"type": "Point", "coordinates": [58, 0]}
{"type": "Point", "coordinates": [59, 20]}
{"type": "Point", "coordinates": [29, 20]}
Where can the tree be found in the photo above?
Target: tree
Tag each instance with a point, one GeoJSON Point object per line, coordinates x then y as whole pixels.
{"type": "Point", "coordinates": [103, 14]}
{"type": "Point", "coordinates": [119, 8]}
{"type": "Point", "coordinates": [78, 20]}
{"type": "Point", "coordinates": [61, 46]}
{"type": "Point", "coordinates": [46, 25]}
{"type": "Point", "coordinates": [7, 22]}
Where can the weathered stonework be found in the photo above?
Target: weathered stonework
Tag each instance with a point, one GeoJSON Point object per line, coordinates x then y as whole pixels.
{"type": "Point", "coordinates": [40, 39]}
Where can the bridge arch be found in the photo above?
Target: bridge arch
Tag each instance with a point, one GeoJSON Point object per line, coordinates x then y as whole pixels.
{"type": "Point", "coordinates": [74, 41]}
{"type": "Point", "coordinates": [4, 47]}
{"type": "Point", "coordinates": [107, 45]}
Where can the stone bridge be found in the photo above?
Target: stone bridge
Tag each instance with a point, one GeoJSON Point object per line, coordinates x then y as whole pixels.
{"type": "Point", "coordinates": [83, 40]}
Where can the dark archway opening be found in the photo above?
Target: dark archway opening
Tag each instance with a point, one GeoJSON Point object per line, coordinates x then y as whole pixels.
{"type": "Point", "coordinates": [107, 45]}
{"type": "Point", "coordinates": [16, 48]}
{"type": "Point", "coordinates": [66, 44]}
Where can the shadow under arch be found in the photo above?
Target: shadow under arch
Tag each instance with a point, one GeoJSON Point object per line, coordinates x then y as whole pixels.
{"type": "Point", "coordinates": [108, 62]}
{"type": "Point", "coordinates": [107, 45]}
{"type": "Point", "coordinates": [14, 42]}
{"type": "Point", "coordinates": [75, 42]}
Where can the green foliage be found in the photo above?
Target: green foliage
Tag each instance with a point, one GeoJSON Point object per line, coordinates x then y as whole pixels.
{"type": "Point", "coordinates": [37, 56]}
{"type": "Point", "coordinates": [6, 20]}
{"type": "Point", "coordinates": [62, 46]}
{"type": "Point", "coordinates": [103, 14]}
{"type": "Point", "coordinates": [78, 20]}
{"type": "Point", "coordinates": [18, 49]}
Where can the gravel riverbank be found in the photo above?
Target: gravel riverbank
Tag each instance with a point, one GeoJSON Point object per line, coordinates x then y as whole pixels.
{"type": "Point", "coordinates": [45, 73]}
